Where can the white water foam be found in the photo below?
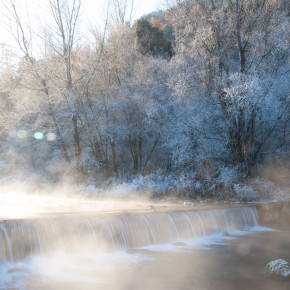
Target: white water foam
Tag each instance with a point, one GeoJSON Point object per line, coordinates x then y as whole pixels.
{"type": "Point", "coordinates": [90, 268]}
{"type": "Point", "coordinates": [206, 242]}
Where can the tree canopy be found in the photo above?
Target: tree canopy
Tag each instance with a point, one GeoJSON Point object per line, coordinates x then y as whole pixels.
{"type": "Point", "coordinates": [199, 92]}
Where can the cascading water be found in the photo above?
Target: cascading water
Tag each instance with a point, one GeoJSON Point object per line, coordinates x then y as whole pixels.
{"type": "Point", "coordinates": [40, 236]}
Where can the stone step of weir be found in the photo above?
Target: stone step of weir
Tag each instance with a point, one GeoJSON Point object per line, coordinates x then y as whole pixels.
{"type": "Point", "coordinates": [40, 236]}
{"type": "Point", "coordinates": [272, 213]}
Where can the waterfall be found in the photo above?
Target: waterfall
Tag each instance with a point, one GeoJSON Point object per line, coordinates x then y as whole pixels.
{"type": "Point", "coordinates": [6, 244]}
{"type": "Point", "coordinates": [21, 238]}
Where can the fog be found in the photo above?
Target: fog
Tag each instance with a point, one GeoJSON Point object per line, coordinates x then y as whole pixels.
{"type": "Point", "coordinates": [148, 153]}
{"type": "Point", "coordinates": [233, 263]}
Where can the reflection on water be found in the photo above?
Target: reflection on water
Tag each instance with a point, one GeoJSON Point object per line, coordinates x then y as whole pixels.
{"type": "Point", "coordinates": [60, 267]}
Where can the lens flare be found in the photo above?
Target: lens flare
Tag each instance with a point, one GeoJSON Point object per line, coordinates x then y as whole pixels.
{"type": "Point", "coordinates": [21, 134]}
{"type": "Point", "coordinates": [38, 135]}
{"type": "Point", "coordinates": [13, 133]}
{"type": "Point", "coordinates": [50, 136]}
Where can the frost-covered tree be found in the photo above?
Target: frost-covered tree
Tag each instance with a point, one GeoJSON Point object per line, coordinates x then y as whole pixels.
{"type": "Point", "coordinates": [129, 90]}
{"type": "Point", "coordinates": [116, 106]}
{"type": "Point", "coordinates": [231, 70]}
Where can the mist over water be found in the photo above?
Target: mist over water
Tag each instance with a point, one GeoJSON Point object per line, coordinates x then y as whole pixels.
{"type": "Point", "coordinates": [136, 154]}
{"type": "Point", "coordinates": [60, 241]}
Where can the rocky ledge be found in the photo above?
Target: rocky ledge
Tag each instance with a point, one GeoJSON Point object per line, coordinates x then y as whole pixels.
{"type": "Point", "coordinates": [278, 268]}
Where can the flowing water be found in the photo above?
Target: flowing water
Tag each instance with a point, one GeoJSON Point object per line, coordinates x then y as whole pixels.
{"type": "Point", "coordinates": [160, 250]}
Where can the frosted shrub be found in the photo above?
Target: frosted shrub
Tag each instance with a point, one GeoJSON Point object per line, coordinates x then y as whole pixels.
{"type": "Point", "coordinates": [227, 176]}
{"type": "Point", "coordinates": [157, 183]}
{"type": "Point", "coordinates": [268, 189]}
{"type": "Point", "coordinates": [245, 192]}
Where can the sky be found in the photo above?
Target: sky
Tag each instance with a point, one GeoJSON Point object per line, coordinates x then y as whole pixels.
{"type": "Point", "coordinates": [92, 13]}
{"type": "Point", "coordinates": [141, 7]}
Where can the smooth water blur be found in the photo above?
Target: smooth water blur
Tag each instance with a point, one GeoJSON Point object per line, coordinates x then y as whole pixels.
{"type": "Point", "coordinates": [217, 261]}
{"type": "Point", "coordinates": [21, 238]}
{"type": "Point", "coordinates": [105, 245]}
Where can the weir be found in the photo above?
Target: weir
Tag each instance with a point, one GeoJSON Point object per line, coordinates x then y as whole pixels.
{"type": "Point", "coordinates": [41, 236]}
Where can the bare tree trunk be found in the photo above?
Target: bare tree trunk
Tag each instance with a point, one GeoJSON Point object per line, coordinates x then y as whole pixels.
{"type": "Point", "coordinates": [150, 153]}
{"type": "Point", "coordinates": [114, 158]}
{"type": "Point", "coordinates": [22, 40]}
{"type": "Point", "coordinates": [50, 111]}
{"type": "Point", "coordinates": [77, 145]}
{"type": "Point", "coordinates": [239, 38]}
{"type": "Point", "coordinates": [66, 22]}
{"type": "Point", "coordinates": [140, 152]}
{"type": "Point", "coordinates": [134, 153]}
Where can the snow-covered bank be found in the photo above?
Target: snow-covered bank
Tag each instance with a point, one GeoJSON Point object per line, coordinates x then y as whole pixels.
{"type": "Point", "coordinates": [228, 186]}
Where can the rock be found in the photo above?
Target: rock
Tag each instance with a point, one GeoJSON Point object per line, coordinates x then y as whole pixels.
{"type": "Point", "coordinates": [179, 244]}
{"type": "Point", "coordinates": [15, 270]}
{"type": "Point", "coordinates": [278, 268]}
{"type": "Point", "coordinates": [151, 207]}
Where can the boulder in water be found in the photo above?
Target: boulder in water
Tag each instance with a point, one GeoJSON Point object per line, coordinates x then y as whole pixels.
{"type": "Point", "coordinates": [15, 270]}
{"type": "Point", "coordinates": [278, 268]}
{"type": "Point", "coordinates": [179, 244]}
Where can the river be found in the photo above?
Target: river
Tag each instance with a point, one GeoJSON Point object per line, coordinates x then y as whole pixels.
{"type": "Point", "coordinates": [144, 246]}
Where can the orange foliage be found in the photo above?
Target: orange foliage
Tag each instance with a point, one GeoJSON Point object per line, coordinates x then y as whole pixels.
{"type": "Point", "coordinates": [156, 23]}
